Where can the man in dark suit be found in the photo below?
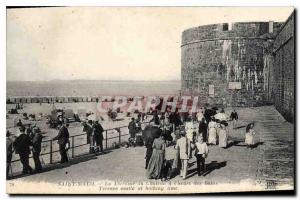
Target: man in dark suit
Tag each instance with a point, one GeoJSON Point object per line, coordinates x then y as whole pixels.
{"type": "Point", "coordinates": [234, 118]}
{"type": "Point", "coordinates": [36, 148]}
{"type": "Point", "coordinates": [22, 147]}
{"type": "Point", "coordinates": [132, 128]}
{"type": "Point", "coordinates": [98, 134]}
{"type": "Point", "coordinates": [203, 129]}
{"type": "Point", "coordinates": [155, 119]}
{"type": "Point", "coordinates": [63, 140]}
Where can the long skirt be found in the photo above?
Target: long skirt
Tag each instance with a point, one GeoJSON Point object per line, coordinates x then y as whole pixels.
{"type": "Point", "coordinates": [249, 139]}
{"type": "Point", "coordinates": [223, 137]}
{"type": "Point", "coordinates": [176, 162]}
{"type": "Point", "coordinates": [212, 136]}
{"type": "Point", "coordinates": [155, 164]}
{"type": "Point", "coordinates": [148, 155]}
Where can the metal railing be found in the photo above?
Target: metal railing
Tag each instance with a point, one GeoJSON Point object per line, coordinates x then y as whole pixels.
{"type": "Point", "coordinates": [73, 146]}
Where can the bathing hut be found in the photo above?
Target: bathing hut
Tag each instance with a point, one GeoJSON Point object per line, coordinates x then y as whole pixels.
{"type": "Point", "coordinates": [80, 99]}
{"type": "Point", "coordinates": [20, 99]}
{"type": "Point", "coordinates": [12, 100]}
{"type": "Point", "coordinates": [34, 100]}
{"type": "Point", "coordinates": [28, 100]}
{"type": "Point", "coordinates": [60, 99]}
{"type": "Point", "coordinates": [66, 99]}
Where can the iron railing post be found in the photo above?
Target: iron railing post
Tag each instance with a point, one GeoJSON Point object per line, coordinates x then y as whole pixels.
{"type": "Point", "coordinates": [119, 136]}
{"type": "Point", "coordinates": [72, 146]}
{"type": "Point", "coordinates": [106, 139]}
{"type": "Point", "coordinates": [50, 151]}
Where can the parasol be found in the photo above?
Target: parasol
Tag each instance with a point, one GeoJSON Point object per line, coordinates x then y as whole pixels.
{"type": "Point", "coordinates": [209, 112]}
{"type": "Point", "coordinates": [151, 132]}
{"type": "Point", "coordinates": [221, 117]}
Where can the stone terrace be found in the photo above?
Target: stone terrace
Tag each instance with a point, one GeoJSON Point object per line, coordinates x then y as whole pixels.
{"type": "Point", "coordinates": [272, 160]}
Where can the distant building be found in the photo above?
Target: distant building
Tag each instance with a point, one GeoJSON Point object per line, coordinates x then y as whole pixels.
{"type": "Point", "coordinates": [240, 64]}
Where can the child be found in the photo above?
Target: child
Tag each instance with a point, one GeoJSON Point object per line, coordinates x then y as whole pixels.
{"type": "Point", "coordinates": [166, 170]}
{"type": "Point", "coordinates": [249, 136]}
{"type": "Point", "coordinates": [201, 153]}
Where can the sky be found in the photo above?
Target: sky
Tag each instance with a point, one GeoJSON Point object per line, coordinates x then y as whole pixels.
{"type": "Point", "coordinates": [110, 43]}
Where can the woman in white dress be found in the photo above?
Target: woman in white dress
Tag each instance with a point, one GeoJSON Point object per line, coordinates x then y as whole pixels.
{"type": "Point", "coordinates": [249, 136]}
{"type": "Point", "coordinates": [223, 135]}
{"type": "Point", "coordinates": [212, 132]}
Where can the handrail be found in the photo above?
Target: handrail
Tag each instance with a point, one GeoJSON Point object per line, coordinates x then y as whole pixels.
{"type": "Point", "coordinates": [73, 146]}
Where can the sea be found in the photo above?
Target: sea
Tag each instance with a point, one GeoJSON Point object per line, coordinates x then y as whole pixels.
{"type": "Point", "coordinates": [91, 88]}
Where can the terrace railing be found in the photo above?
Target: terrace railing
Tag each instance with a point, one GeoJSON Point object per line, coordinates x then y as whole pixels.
{"type": "Point", "coordinates": [118, 135]}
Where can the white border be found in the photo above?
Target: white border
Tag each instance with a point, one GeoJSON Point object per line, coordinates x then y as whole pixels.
{"type": "Point", "coordinates": [112, 3]}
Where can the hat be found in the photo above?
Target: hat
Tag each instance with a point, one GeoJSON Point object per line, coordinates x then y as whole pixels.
{"type": "Point", "coordinates": [223, 122]}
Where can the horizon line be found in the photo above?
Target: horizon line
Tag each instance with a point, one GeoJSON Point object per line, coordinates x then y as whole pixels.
{"type": "Point", "coordinates": [91, 80]}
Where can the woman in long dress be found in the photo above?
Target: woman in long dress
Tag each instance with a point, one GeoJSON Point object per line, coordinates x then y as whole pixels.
{"type": "Point", "coordinates": [212, 132]}
{"type": "Point", "coordinates": [249, 136]}
{"type": "Point", "coordinates": [157, 159]}
{"type": "Point", "coordinates": [223, 135]}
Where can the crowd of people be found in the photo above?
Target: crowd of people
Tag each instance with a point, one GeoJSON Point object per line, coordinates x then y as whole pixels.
{"type": "Point", "coordinates": [189, 134]}
{"type": "Point", "coordinates": [94, 133]}
{"type": "Point", "coordinates": [26, 140]}
{"type": "Point", "coordinates": [193, 134]}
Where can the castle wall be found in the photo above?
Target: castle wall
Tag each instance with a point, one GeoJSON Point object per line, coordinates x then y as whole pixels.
{"type": "Point", "coordinates": [243, 64]}
{"type": "Point", "coordinates": [283, 81]}
{"type": "Point", "coordinates": [218, 57]}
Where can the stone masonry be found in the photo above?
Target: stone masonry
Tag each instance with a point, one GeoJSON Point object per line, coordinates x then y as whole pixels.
{"type": "Point", "coordinates": [240, 64]}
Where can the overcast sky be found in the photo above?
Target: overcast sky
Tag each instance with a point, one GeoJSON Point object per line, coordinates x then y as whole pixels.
{"type": "Point", "coordinates": [101, 43]}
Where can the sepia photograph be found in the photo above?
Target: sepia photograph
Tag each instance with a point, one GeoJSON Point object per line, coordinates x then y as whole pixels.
{"type": "Point", "coordinates": [150, 100]}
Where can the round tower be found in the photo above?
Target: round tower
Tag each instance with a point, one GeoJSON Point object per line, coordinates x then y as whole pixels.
{"type": "Point", "coordinates": [223, 63]}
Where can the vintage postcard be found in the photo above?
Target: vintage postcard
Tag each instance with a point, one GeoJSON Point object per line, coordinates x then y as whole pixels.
{"type": "Point", "coordinates": [150, 100]}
